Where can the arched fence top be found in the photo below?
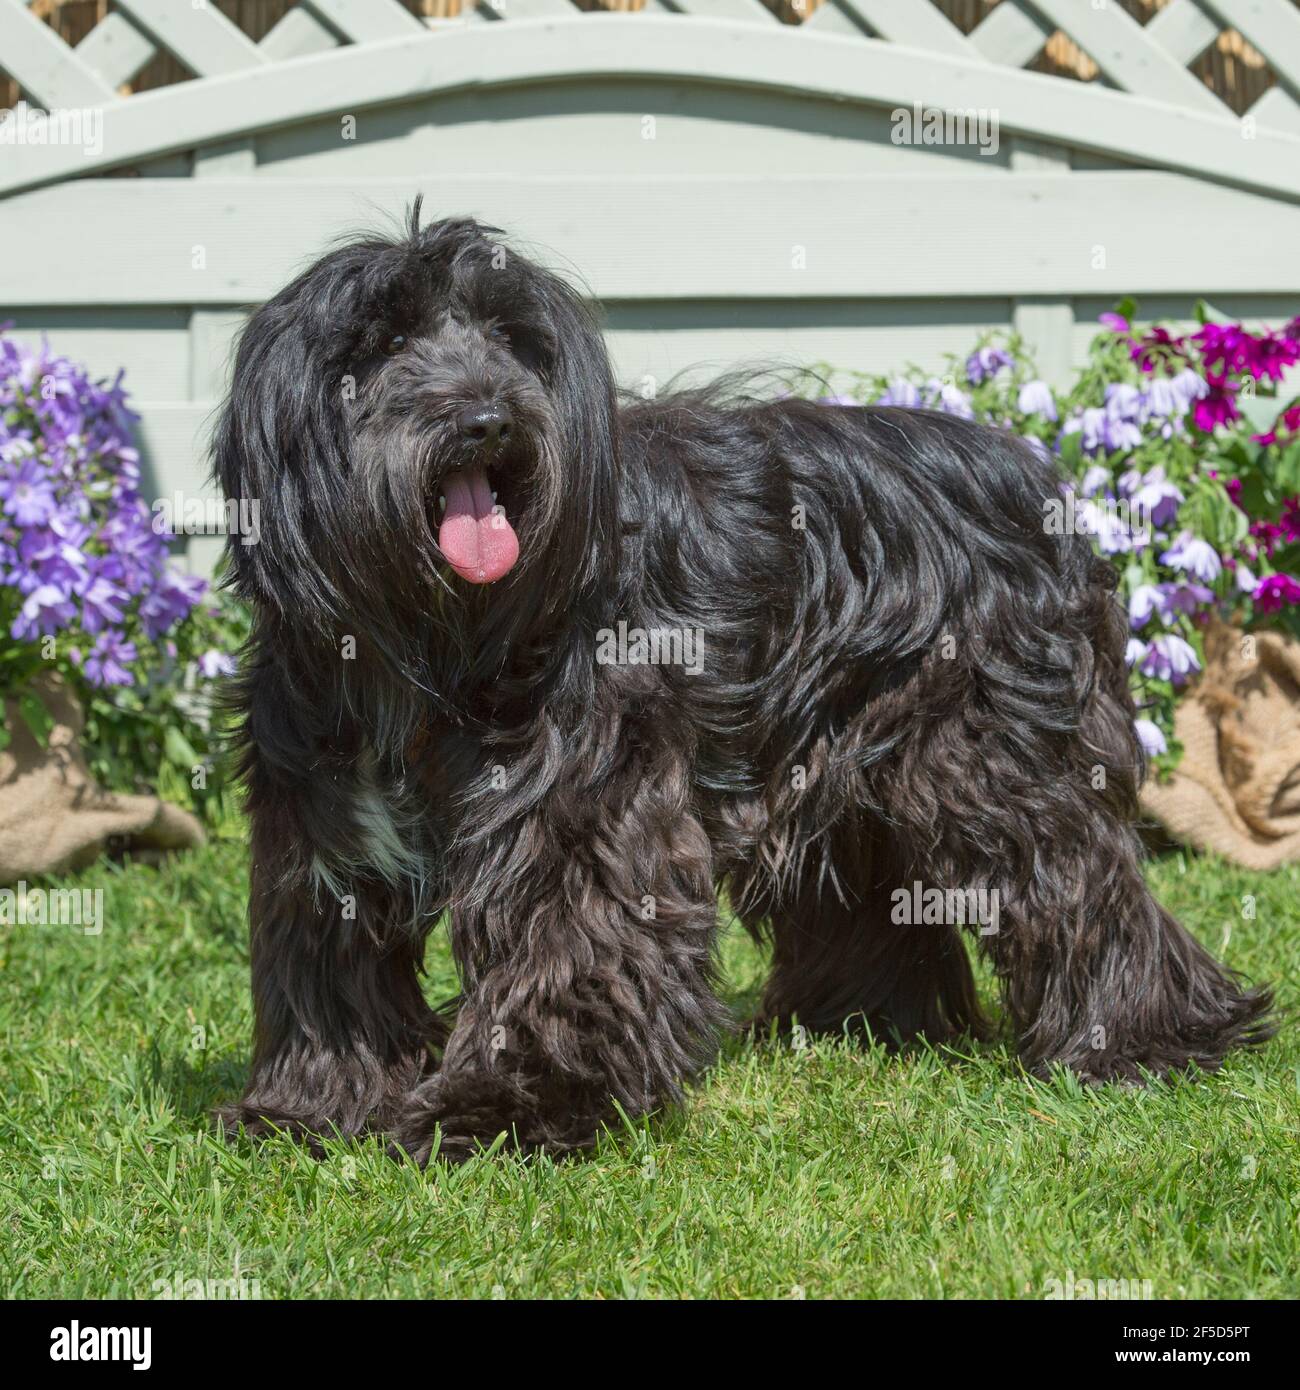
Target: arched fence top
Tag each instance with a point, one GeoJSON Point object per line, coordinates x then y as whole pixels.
{"type": "Point", "coordinates": [351, 56]}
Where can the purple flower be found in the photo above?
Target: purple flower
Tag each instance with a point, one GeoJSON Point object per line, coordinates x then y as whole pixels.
{"type": "Point", "coordinates": [102, 604]}
{"type": "Point", "coordinates": [1170, 658]}
{"type": "Point", "coordinates": [29, 495]}
{"type": "Point", "coordinates": [1193, 556]}
{"type": "Point", "coordinates": [1185, 598]}
{"type": "Point", "coordinates": [986, 364]}
{"type": "Point", "coordinates": [108, 659]}
{"type": "Point", "coordinates": [1146, 601]}
{"type": "Point", "coordinates": [1150, 737]}
{"type": "Point", "coordinates": [1036, 398]}
{"type": "Point", "coordinates": [45, 610]}
{"type": "Point", "coordinates": [1095, 480]}
{"type": "Point", "coordinates": [949, 398]}
{"type": "Point", "coordinates": [1157, 499]}
{"type": "Point", "coordinates": [1160, 400]}
{"type": "Point", "coordinates": [1135, 651]}
{"type": "Point", "coordinates": [1245, 580]}
{"type": "Point", "coordinates": [900, 392]}
{"type": "Point", "coordinates": [1188, 387]}
{"type": "Point", "coordinates": [1117, 323]}
{"type": "Point", "coordinates": [214, 663]}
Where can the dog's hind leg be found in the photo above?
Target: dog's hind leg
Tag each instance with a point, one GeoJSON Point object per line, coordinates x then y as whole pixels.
{"type": "Point", "coordinates": [841, 961]}
{"type": "Point", "coordinates": [1022, 783]}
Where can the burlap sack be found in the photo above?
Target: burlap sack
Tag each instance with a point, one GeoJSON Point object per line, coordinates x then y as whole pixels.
{"type": "Point", "coordinates": [54, 816]}
{"type": "Point", "coordinates": [1237, 789]}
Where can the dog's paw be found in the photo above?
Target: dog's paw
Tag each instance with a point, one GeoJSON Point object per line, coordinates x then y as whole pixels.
{"type": "Point", "coordinates": [246, 1119]}
{"type": "Point", "coordinates": [427, 1123]}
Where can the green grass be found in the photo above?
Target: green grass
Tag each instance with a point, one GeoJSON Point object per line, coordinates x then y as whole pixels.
{"type": "Point", "coordinates": [834, 1171]}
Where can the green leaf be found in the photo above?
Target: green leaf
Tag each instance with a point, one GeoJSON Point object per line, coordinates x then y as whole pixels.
{"type": "Point", "coordinates": [4, 738]}
{"type": "Point", "coordinates": [1261, 411]}
{"type": "Point", "coordinates": [1206, 313]}
{"type": "Point", "coordinates": [178, 749]}
{"type": "Point", "coordinates": [37, 718]}
{"type": "Point", "coordinates": [1287, 473]}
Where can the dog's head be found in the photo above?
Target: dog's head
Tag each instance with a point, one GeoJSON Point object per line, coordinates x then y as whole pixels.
{"type": "Point", "coordinates": [418, 415]}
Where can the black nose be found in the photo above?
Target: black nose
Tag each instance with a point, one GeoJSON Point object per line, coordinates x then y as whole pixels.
{"type": "Point", "coordinates": [486, 425]}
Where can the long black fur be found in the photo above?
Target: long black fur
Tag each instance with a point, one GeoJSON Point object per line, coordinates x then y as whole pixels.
{"type": "Point", "coordinates": [906, 679]}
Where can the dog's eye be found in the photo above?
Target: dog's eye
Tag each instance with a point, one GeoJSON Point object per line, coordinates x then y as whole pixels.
{"type": "Point", "coordinates": [394, 345]}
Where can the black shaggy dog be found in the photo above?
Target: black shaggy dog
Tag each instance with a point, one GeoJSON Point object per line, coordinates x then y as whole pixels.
{"type": "Point", "coordinates": [889, 673]}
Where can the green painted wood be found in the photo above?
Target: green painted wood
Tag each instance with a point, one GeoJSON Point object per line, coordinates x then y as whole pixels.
{"type": "Point", "coordinates": [864, 71]}
{"type": "Point", "coordinates": [202, 37]}
{"type": "Point", "coordinates": [43, 65]}
{"type": "Point", "coordinates": [1012, 234]}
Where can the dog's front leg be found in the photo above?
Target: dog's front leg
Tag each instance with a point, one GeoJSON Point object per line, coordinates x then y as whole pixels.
{"type": "Point", "coordinates": [587, 972]}
{"type": "Point", "coordinates": [342, 1028]}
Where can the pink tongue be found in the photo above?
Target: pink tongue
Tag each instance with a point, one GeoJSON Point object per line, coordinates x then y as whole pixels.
{"type": "Point", "coordinates": [477, 542]}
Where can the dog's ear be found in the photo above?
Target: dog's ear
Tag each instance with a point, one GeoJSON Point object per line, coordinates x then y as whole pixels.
{"type": "Point", "coordinates": [279, 454]}
{"type": "Point", "coordinates": [581, 383]}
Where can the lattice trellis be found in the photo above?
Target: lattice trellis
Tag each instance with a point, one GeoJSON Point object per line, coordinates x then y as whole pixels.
{"type": "Point", "coordinates": [1066, 37]}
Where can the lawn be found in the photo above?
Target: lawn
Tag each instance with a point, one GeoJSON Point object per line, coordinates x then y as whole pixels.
{"type": "Point", "coordinates": [831, 1171]}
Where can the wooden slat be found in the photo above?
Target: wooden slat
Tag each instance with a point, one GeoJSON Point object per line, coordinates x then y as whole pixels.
{"type": "Point", "coordinates": [879, 236]}
{"type": "Point", "coordinates": [1010, 35]}
{"type": "Point", "coordinates": [739, 11]}
{"type": "Point", "coordinates": [1272, 26]}
{"type": "Point", "coordinates": [833, 17]}
{"type": "Point", "coordinates": [528, 9]}
{"type": "Point", "coordinates": [1121, 49]}
{"type": "Point", "coordinates": [365, 21]}
{"type": "Point", "coordinates": [1277, 110]}
{"type": "Point", "coordinates": [298, 34]}
{"type": "Point", "coordinates": [906, 21]}
{"type": "Point", "coordinates": [116, 49]}
{"type": "Point", "coordinates": [43, 65]}
{"type": "Point", "coordinates": [203, 39]}
{"type": "Point", "coordinates": [865, 71]}
{"type": "Point", "coordinates": [1183, 30]}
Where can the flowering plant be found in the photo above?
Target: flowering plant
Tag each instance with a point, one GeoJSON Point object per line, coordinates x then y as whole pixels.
{"type": "Point", "coordinates": [1182, 455]}
{"type": "Point", "coordinates": [87, 587]}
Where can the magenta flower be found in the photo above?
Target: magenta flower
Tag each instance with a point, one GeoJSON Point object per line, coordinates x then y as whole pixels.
{"type": "Point", "coordinates": [1217, 406]}
{"type": "Point", "coordinates": [1275, 591]}
{"type": "Point", "coordinates": [1117, 323]}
